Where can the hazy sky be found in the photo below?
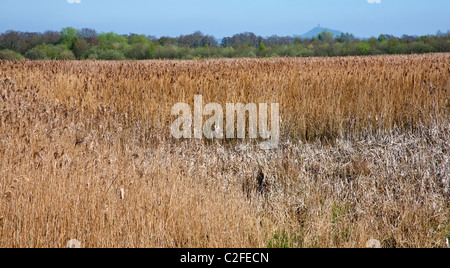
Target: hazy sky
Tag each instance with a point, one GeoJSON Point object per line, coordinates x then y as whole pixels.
{"type": "Point", "coordinates": [364, 18]}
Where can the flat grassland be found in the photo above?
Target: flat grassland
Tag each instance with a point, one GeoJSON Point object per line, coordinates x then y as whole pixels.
{"type": "Point", "coordinates": [86, 153]}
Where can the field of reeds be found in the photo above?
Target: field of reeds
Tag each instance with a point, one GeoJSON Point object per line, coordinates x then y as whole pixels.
{"type": "Point", "coordinates": [86, 153]}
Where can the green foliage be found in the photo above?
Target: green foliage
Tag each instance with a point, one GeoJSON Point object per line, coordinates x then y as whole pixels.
{"type": "Point", "coordinates": [392, 44]}
{"type": "Point", "coordinates": [151, 50]}
{"type": "Point", "coordinates": [111, 54]}
{"type": "Point", "coordinates": [10, 55]}
{"type": "Point", "coordinates": [66, 55]}
{"type": "Point", "coordinates": [420, 47]}
{"type": "Point", "coordinates": [364, 48]}
{"type": "Point", "coordinates": [326, 36]}
{"type": "Point", "coordinates": [112, 41]}
{"type": "Point", "coordinates": [245, 51]}
{"type": "Point", "coordinates": [165, 52]}
{"type": "Point", "coordinates": [345, 38]}
{"type": "Point", "coordinates": [80, 48]}
{"type": "Point", "coordinates": [340, 218]}
{"type": "Point", "coordinates": [201, 52]}
{"type": "Point", "coordinates": [285, 51]}
{"type": "Point", "coordinates": [36, 54]}
{"type": "Point", "coordinates": [352, 49]}
{"type": "Point", "coordinates": [71, 43]}
{"type": "Point", "coordinates": [93, 54]}
{"type": "Point", "coordinates": [284, 240]}
{"type": "Point", "coordinates": [49, 50]}
{"type": "Point", "coordinates": [299, 50]}
{"type": "Point", "coordinates": [139, 39]}
{"type": "Point", "coordinates": [401, 48]}
{"type": "Point", "coordinates": [140, 48]}
{"type": "Point", "coordinates": [382, 38]}
{"type": "Point", "coordinates": [262, 51]}
{"type": "Point", "coordinates": [69, 37]}
{"type": "Point", "coordinates": [55, 52]}
{"type": "Point", "coordinates": [227, 52]}
{"type": "Point", "coordinates": [323, 50]}
{"type": "Point", "coordinates": [138, 51]}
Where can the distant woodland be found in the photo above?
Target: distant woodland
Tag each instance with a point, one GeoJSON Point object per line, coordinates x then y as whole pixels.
{"type": "Point", "coordinates": [75, 44]}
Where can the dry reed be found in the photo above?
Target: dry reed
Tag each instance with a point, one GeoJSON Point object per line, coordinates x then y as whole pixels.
{"type": "Point", "coordinates": [85, 153]}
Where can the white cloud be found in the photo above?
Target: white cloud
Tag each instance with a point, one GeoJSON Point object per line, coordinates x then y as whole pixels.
{"type": "Point", "coordinates": [374, 1]}
{"type": "Point", "coordinates": [74, 1]}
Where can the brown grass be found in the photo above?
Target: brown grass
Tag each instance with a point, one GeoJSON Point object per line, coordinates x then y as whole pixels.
{"type": "Point", "coordinates": [86, 154]}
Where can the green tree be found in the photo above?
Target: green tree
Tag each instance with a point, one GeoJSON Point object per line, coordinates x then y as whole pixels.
{"type": "Point", "coordinates": [165, 52]}
{"type": "Point", "coordinates": [326, 36]}
{"type": "Point", "coordinates": [200, 52]}
{"type": "Point", "coordinates": [10, 55]}
{"type": "Point", "coordinates": [137, 51]}
{"type": "Point", "coordinates": [364, 48]}
{"type": "Point", "coordinates": [111, 54]}
{"type": "Point", "coordinates": [66, 55]}
{"type": "Point", "coordinates": [392, 44]}
{"type": "Point", "coordinates": [112, 41]}
{"type": "Point", "coordinates": [36, 54]}
{"type": "Point", "coordinates": [420, 47]}
{"type": "Point", "coordinates": [345, 38]}
{"type": "Point", "coordinates": [323, 50]}
{"type": "Point", "coordinates": [58, 52]}
{"type": "Point", "coordinates": [382, 38]}
{"type": "Point", "coordinates": [227, 52]}
{"type": "Point", "coordinates": [150, 50]}
{"type": "Point", "coordinates": [139, 39]}
{"type": "Point", "coordinates": [262, 51]}
{"type": "Point", "coordinates": [69, 37]}
{"type": "Point", "coordinates": [80, 48]}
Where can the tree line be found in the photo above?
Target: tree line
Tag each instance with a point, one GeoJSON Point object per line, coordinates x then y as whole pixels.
{"type": "Point", "coordinates": [71, 44]}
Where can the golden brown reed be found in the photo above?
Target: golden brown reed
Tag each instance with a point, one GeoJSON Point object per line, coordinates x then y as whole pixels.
{"type": "Point", "coordinates": [85, 153]}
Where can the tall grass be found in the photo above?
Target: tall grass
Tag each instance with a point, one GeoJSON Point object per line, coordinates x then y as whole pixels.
{"type": "Point", "coordinates": [86, 154]}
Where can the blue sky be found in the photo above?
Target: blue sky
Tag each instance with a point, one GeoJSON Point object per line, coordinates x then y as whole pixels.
{"type": "Point", "coordinates": [225, 18]}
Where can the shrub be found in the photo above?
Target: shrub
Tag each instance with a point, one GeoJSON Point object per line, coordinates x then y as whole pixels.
{"type": "Point", "coordinates": [58, 52]}
{"type": "Point", "coordinates": [165, 52]}
{"type": "Point", "coordinates": [137, 51]}
{"type": "Point", "coordinates": [110, 54]}
{"type": "Point", "coordinates": [227, 52]}
{"type": "Point", "coordinates": [201, 52]}
{"type": "Point", "coordinates": [10, 55]}
{"type": "Point", "coordinates": [36, 54]}
{"type": "Point", "coordinates": [80, 48]}
{"type": "Point", "coordinates": [364, 48]}
{"type": "Point", "coordinates": [420, 47]}
{"type": "Point", "coordinates": [66, 55]}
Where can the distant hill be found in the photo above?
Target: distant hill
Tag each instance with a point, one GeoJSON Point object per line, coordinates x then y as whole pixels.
{"type": "Point", "coordinates": [317, 30]}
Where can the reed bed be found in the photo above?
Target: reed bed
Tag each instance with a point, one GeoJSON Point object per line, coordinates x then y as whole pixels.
{"type": "Point", "coordinates": [86, 154]}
